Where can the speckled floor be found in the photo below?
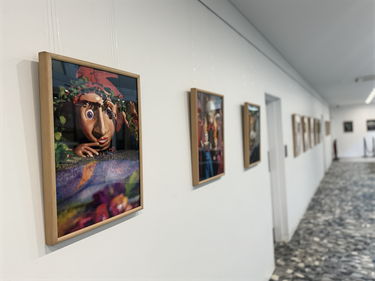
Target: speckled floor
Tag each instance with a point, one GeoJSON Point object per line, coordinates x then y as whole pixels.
{"type": "Point", "coordinates": [335, 239]}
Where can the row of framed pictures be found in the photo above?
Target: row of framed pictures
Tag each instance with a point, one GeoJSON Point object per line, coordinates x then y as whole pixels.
{"type": "Point", "coordinates": [306, 133]}
{"type": "Point", "coordinates": [92, 143]}
{"type": "Point", "coordinates": [348, 126]}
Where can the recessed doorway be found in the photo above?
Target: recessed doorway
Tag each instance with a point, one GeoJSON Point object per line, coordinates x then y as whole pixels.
{"type": "Point", "coordinates": [276, 154]}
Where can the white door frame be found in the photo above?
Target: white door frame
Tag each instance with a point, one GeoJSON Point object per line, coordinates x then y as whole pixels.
{"type": "Point", "coordinates": [277, 168]}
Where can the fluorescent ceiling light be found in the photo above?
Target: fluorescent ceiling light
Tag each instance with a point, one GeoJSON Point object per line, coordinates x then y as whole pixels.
{"type": "Point", "coordinates": [365, 78]}
{"type": "Point", "coordinates": [371, 96]}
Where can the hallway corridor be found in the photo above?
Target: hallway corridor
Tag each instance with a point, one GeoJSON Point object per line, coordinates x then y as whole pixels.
{"type": "Point", "coordinates": [335, 239]}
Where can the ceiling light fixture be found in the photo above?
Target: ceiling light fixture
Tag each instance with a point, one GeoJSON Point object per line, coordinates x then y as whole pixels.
{"type": "Point", "coordinates": [371, 96]}
{"type": "Point", "coordinates": [365, 78]}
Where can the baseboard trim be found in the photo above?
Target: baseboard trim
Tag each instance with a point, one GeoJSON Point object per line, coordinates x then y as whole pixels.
{"type": "Point", "coordinates": [270, 272]}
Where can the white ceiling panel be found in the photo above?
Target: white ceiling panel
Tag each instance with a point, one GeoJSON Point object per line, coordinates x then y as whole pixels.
{"type": "Point", "coordinates": [330, 42]}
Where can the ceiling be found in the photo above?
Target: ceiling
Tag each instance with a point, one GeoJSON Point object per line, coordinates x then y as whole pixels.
{"type": "Point", "coordinates": [329, 42]}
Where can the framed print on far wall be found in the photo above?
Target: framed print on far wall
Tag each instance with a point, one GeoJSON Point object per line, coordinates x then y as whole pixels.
{"type": "Point", "coordinates": [328, 128]}
{"type": "Point", "coordinates": [305, 132]}
{"type": "Point", "coordinates": [370, 125]}
{"type": "Point", "coordinates": [348, 126]}
{"type": "Point", "coordinates": [92, 145]}
{"type": "Point", "coordinates": [207, 135]}
{"type": "Point", "coordinates": [316, 132]}
{"type": "Point", "coordinates": [251, 114]}
{"type": "Point", "coordinates": [311, 132]}
{"type": "Point", "coordinates": [297, 134]}
{"type": "Point", "coordinates": [318, 129]}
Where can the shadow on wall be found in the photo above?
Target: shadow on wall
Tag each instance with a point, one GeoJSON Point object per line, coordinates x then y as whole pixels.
{"type": "Point", "coordinates": [28, 83]}
{"type": "Point", "coordinates": [30, 110]}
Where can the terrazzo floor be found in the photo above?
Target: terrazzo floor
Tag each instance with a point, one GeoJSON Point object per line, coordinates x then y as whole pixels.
{"type": "Point", "coordinates": [335, 239]}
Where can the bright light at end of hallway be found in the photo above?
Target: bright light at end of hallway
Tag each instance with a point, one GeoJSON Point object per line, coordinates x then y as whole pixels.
{"type": "Point", "coordinates": [371, 96]}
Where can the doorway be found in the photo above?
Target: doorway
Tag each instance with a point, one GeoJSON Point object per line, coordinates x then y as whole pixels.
{"type": "Point", "coordinates": [276, 154]}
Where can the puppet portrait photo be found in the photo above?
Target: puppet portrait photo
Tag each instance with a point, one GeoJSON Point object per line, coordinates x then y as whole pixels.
{"type": "Point", "coordinates": [96, 137]}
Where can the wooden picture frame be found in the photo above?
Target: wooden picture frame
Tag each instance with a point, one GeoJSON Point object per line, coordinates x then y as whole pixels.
{"type": "Point", "coordinates": [207, 135]}
{"type": "Point", "coordinates": [348, 126]}
{"type": "Point", "coordinates": [370, 125]}
{"type": "Point", "coordinates": [305, 133]}
{"type": "Point", "coordinates": [297, 135]}
{"type": "Point", "coordinates": [92, 161]}
{"type": "Point", "coordinates": [311, 132]}
{"type": "Point", "coordinates": [319, 129]}
{"type": "Point", "coordinates": [328, 128]}
{"type": "Point", "coordinates": [252, 134]}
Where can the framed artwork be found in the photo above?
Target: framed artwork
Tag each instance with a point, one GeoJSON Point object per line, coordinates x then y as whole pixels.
{"type": "Point", "coordinates": [297, 134]}
{"type": "Point", "coordinates": [305, 132]}
{"type": "Point", "coordinates": [370, 125]}
{"type": "Point", "coordinates": [92, 145]}
{"type": "Point", "coordinates": [348, 126]}
{"type": "Point", "coordinates": [316, 132]}
{"type": "Point", "coordinates": [207, 135]}
{"type": "Point", "coordinates": [328, 128]}
{"type": "Point", "coordinates": [311, 132]}
{"type": "Point", "coordinates": [251, 123]}
{"type": "Point", "coordinates": [319, 129]}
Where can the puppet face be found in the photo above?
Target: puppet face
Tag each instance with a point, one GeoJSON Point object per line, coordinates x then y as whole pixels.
{"type": "Point", "coordinates": [96, 120]}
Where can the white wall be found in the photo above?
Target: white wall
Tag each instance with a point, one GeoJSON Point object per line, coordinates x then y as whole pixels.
{"type": "Point", "coordinates": [351, 144]}
{"type": "Point", "coordinates": [221, 230]}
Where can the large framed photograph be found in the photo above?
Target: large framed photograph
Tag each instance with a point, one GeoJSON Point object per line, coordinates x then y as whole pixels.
{"type": "Point", "coordinates": [348, 126]}
{"type": "Point", "coordinates": [370, 125]}
{"type": "Point", "coordinates": [251, 114]}
{"type": "Point", "coordinates": [311, 132]}
{"type": "Point", "coordinates": [306, 133]}
{"type": "Point", "coordinates": [207, 135]}
{"type": "Point", "coordinates": [92, 145]}
{"type": "Point", "coordinates": [297, 134]}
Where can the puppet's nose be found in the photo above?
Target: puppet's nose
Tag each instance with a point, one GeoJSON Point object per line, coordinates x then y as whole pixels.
{"type": "Point", "coordinates": [99, 126]}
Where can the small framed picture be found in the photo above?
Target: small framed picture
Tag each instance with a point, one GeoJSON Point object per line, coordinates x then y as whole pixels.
{"type": "Point", "coordinates": [297, 134]}
{"type": "Point", "coordinates": [316, 131]}
{"type": "Point", "coordinates": [328, 128]}
{"type": "Point", "coordinates": [91, 144]}
{"type": "Point", "coordinates": [348, 126]}
{"type": "Point", "coordinates": [311, 132]}
{"type": "Point", "coordinates": [319, 130]}
{"type": "Point", "coordinates": [207, 135]}
{"type": "Point", "coordinates": [251, 114]}
{"type": "Point", "coordinates": [306, 133]}
{"type": "Point", "coordinates": [370, 125]}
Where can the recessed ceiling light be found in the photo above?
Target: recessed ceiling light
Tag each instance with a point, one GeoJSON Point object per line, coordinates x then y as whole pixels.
{"type": "Point", "coordinates": [371, 96]}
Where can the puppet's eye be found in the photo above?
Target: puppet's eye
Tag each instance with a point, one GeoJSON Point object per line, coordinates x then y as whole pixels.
{"type": "Point", "coordinates": [109, 112]}
{"type": "Point", "coordinates": [90, 114]}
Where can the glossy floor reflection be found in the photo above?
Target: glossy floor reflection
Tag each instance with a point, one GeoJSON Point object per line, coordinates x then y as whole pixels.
{"type": "Point", "coordinates": [335, 239]}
